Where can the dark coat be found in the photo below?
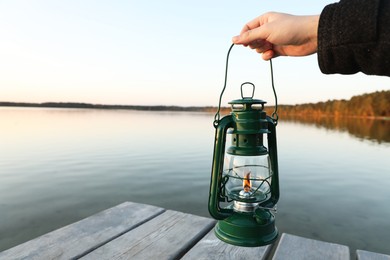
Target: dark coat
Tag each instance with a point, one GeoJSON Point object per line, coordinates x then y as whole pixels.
{"type": "Point", "coordinates": [354, 36]}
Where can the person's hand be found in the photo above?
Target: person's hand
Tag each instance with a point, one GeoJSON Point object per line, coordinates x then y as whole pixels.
{"type": "Point", "coordinates": [278, 34]}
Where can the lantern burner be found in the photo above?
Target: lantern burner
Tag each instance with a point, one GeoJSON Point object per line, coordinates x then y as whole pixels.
{"type": "Point", "coordinates": [240, 206]}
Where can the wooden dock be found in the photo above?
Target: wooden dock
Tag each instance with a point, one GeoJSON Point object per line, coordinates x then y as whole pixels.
{"type": "Point", "coordinates": [138, 231]}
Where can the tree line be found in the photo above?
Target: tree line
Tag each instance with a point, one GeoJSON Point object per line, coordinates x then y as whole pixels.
{"type": "Point", "coordinates": [101, 106]}
{"type": "Point", "coordinates": [376, 104]}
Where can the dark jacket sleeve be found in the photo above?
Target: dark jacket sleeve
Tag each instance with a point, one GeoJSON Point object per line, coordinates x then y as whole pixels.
{"type": "Point", "coordinates": [354, 36]}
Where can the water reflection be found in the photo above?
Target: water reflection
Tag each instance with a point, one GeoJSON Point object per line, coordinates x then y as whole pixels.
{"type": "Point", "coordinates": [60, 165]}
{"type": "Point", "coordinates": [377, 130]}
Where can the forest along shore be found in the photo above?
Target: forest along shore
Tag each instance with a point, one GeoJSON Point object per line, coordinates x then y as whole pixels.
{"type": "Point", "coordinates": [371, 105]}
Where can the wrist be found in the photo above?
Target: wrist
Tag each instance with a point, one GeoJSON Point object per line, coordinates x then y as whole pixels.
{"type": "Point", "coordinates": [312, 31]}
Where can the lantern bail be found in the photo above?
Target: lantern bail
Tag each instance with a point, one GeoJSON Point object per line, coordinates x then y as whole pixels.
{"type": "Point", "coordinates": [274, 115]}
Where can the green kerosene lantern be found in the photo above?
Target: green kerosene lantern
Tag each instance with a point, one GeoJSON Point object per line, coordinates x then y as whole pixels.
{"type": "Point", "coordinates": [244, 186]}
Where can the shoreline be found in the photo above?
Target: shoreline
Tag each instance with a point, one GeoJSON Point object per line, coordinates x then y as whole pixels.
{"type": "Point", "coordinates": [208, 109]}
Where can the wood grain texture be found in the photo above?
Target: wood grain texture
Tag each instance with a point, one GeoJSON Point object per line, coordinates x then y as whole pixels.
{"type": "Point", "coordinates": [85, 235]}
{"type": "Point", "coordinates": [294, 247]}
{"type": "Point", "coordinates": [210, 247]}
{"type": "Point", "coordinates": [138, 231]}
{"type": "Point", "coordinates": [366, 255]}
{"type": "Point", "coordinates": [168, 236]}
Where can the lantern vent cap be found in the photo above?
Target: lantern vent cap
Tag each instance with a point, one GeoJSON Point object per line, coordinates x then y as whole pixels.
{"type": "Point", "coordinates": [247, 101]}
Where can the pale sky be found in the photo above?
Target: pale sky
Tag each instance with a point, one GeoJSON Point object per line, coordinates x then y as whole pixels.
{"type": "Point", "coordinates": [153, 53]}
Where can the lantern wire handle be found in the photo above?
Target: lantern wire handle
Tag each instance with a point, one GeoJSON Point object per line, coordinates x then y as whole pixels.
{"type": "Point", "coordinates": [217, 115]}
{"type": "Point", "coordinates": [274, 115]}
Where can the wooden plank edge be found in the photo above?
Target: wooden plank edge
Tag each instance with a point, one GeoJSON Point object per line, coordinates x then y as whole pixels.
{"type": "Point", "coordinates": [23, 247]}
{"type": "Point", "coordinates": [195, 240]}
{"type": "Point", "coordinates": [119, 234]}
{"type": "Point", "coordinates": [367, 255]}
{"type": "Point", "coordinates": [295, 247]}
{"type": "Point", "coordinates": [271, 248]}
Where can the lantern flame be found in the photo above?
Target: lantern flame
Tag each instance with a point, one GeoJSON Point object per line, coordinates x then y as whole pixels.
{"type": "Point", "coordinates": [246, 183]}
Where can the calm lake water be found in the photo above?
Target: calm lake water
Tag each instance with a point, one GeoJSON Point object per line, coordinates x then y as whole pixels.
{"type": "Point", "coordinates": [58, 166]}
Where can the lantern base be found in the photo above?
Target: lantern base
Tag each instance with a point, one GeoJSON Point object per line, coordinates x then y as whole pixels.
{"type": "Point", "coordinates": [248, 229]}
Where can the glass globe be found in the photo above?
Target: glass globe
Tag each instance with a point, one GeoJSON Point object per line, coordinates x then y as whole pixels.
{"type": "Point", "coordinates": [248, 178]}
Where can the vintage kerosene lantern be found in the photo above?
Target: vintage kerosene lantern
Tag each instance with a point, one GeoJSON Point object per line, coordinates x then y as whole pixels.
{"type": "Point", "coordinates": [244, 186]}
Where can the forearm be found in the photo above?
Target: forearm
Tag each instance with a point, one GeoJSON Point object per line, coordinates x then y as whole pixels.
{"type": "Point", "coordinates": [353, 36]}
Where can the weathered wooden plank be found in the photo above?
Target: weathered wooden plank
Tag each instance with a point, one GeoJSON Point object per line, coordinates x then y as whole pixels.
{"type": "Point", "coordinates": [210, 247]}
{"type": "Point", "coordinates": [366, 255]}
{"type": "Point", "coordinates": [294, 247]}
{"type": "Point", "coordinates": [167, 236]}
{"type": "Point", "coordinates": [85, 235]}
